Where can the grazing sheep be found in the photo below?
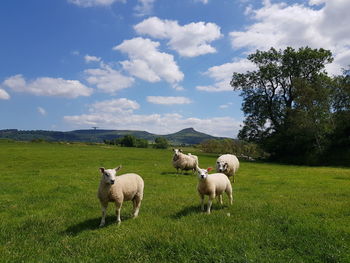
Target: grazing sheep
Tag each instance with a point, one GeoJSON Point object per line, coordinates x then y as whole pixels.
{"type": "Point", "coordinates": [227, 164]}
{"type": "Point", "coordinates": [212, 185]}
{"type": "Point", "coordinates": [117, 189]}
{"type": "Point", "coordinates": [194, 156]}
{"type": "Point", "coordinates": [184, 162]}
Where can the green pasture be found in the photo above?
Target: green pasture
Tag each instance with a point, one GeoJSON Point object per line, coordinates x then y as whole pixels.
{"type": "Point", "coordinates": [50, 213]}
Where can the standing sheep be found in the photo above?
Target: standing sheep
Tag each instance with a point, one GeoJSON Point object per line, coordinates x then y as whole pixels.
{"type": "Point", "coordinates": [212, 185]}
{"type": "Point", "coordinates": [184, 162]}
{"type": "Point", "coordinates": [194, 156]}
{"type": "Point", "coordinates": [227, 164]}
{"type": "Point", "coordinates": [117, 189]}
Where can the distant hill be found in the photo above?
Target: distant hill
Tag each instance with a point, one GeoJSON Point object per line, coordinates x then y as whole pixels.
{"type": "Point", "coordinates": [186, 136]}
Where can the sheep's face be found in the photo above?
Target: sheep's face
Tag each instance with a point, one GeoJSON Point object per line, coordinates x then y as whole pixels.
{"type": "Point", "coordinates": [176, 154]}
{"type": "Point", "coordinates": [109, 175]}
{"type": "Point", "coordinates": [203, 173]}
{"type": "Point", "coordinates": [221, 166]}
{"type": "Point", "coordinates": [177, 151]}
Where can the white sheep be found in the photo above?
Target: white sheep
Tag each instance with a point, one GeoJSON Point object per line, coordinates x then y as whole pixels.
{"type": "Point", "coordinates": [227, 164]}
{"type": "Point", "coordinates": [183, 161]}
{"type": "Point", "coordinates": [194, 156]}
{"type": "Point", "coordinates": [212, 185]}
{"type": "Point", "coordinates": [117, 189]}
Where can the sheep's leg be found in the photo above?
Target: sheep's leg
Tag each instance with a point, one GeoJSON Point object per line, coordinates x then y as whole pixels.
{"type": "Point", "coordinates": [103, 219]}
{"type": "Point", "coordinates": [137, 204]}
{"type": "Point", "coordinates": [202, 202]}
{"type": "Point", "coordinates": [229, 194]}
{"type": "Point", "coordinates": [117, 211]}
{"type": "Point", "coordinates": [210, 201]}
{"type": "Point", "coordinates": [220, 199]}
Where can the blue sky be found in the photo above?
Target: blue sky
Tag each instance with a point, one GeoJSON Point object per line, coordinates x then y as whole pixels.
{"type": "Point", "coordinates": [154, 65]}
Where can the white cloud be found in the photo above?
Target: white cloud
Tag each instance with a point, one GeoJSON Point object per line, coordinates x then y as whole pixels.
{"type": "Point", "coordinates": [189, 40]}
{"type": "Point", "coordinates": [89, 59]}
{"type": "Point", "coordinates": [280, 25]}
{"type": "Point", "coordinates": [222, 75]}
{"type": "Point", "coordinates": [202, 1]}
{"type": "Point", "coordinates": [144, 7]}
{"type": "Point", "coordinates": [225, 106]}
{"type": "Point", "coordinates": [316, 2]}
{"type": "Point", "coordinates": [147, 63]}
{"type": "Point", "coordinates": [119, 114]}
{"type": "Point", "coordinates": [42, 111]}
{"type": "Point", "coordinates": [107, 79]}
{"type": "Point", "coordinates": [4, 95]}
{"type": "Point", "coordinates": [168, 100]}
{"type": "Point", "coordinates": [121, 105]}
{"type": "Point", "coordinates": [46, 86]}
{"type": "Point", "coordinates": [91, 3]}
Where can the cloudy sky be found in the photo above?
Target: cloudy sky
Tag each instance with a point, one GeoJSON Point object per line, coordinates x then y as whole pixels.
{"type": "Point", "coordinates": [154, 65]}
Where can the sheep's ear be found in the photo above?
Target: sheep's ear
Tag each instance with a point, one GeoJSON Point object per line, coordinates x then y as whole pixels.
{"type": "Point", "coordinates": [102, 170]}
{"type": "Point", "coordinates": [118, 168]}
{"type": "Point", "coordinates": [209, 169]}
{"type": "Point", "coordinates": [180, 150]}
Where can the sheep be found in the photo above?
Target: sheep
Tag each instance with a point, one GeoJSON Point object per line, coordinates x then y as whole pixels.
{"type": "Point", "coordinates": [212, 185]}
{"type": "Point", "coordinates": [184, 162]}
{"type": "Point", "coordinates": [194, 156]}
{"type": "Point", "coordinates": [227, 164]}
{"type": "Point", "coordinates": [117, 189]}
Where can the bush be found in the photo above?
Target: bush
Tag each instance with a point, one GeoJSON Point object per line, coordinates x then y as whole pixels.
{"type": "Point", "coordinates": [241, 149]}
{"type": "Point", "coordinates": [128, 141]}
{"type": "Point", "coordinates": [141, 143]}
{"type": "Point", "coordinates": [161, 143]}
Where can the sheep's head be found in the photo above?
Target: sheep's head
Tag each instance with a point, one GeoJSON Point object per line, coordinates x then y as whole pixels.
{"type": "Point", "coordinates": [221, 166]}
{"type": "Point", "coordinates": [176, 154]}
{"type": "Point", "coordinates": [177, 151]}
{"type": "Point", "coordinates": [108, 175]}
{"type": "Point", "coordinates": [203, 173]}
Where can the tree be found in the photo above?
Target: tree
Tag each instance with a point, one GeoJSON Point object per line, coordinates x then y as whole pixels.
{"type": "Point", "coordinates": [285, 101]}
{"type": "Point", "coordinates": [161, 143]}
{"type": "Point", "coordinates": [339, 148]}
{"type": "Point", "coordinates": [128, 141]}
{"type": "Point", "coordinates": [141, 143]}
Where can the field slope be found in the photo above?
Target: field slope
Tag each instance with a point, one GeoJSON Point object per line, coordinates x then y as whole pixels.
{"type": "Point", "coordinates": [49, 210]}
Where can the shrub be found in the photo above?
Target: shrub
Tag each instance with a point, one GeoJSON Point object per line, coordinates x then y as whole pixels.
{"type": "Point", "coordinates": [241, 149]}
{"type": "Point", "coordinates": [161, 143]}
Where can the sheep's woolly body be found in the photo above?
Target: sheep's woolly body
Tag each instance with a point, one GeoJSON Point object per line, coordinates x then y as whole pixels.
{"type": "Point", "coordinates": [227, 164]}
{"type": "Point", "coordinates": [194, 156]}
{"type": "Point", "coordinates": [213, 185]}
{"type": "Point", "coordinates": [185, 162]}
{"type": "Point", "coordinates": [126, 187]}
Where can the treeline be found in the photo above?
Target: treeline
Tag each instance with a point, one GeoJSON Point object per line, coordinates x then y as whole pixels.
{"type": "Point", "coordinates": [243, 150]}
{"type": "Point", "coordinates": [293, 109]}
{"type": "Point", "coordinates": [132, 141]}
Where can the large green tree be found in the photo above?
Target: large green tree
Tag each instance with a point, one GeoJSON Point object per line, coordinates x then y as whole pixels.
{"type": "Point", "coordinates": [286, 101]}
{"type": "Point", "coordinates": [339, 149]}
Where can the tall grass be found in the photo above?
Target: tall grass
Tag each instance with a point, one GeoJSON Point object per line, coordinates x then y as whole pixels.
{"type": "Point", "coordinates": [49, 211]}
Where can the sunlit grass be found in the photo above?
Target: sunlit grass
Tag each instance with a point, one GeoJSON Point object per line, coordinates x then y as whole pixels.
{"type": "Point", "coordinates": [49, 210]}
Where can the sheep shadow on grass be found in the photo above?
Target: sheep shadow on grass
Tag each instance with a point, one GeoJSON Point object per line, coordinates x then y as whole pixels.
{"type": "Point", "coordinates": [193, 209]}
{"type": "Point", "coordinates": [92, 224]}
{"type": "Point", "coordinates": [175, 173]}
{"type": "Point", "coordinates": [196, 209]}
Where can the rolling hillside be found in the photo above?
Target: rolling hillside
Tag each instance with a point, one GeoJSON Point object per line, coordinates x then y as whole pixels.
{"type": "Point", "coordinates": [185, 136]}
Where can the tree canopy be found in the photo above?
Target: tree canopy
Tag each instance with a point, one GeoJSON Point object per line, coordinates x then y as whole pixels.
{"type": "Point", "coordinates": [289, 103]}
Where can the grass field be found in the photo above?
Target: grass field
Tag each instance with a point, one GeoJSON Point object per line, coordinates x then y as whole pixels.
{"type": "Point", "coordinates": [49, 211]}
